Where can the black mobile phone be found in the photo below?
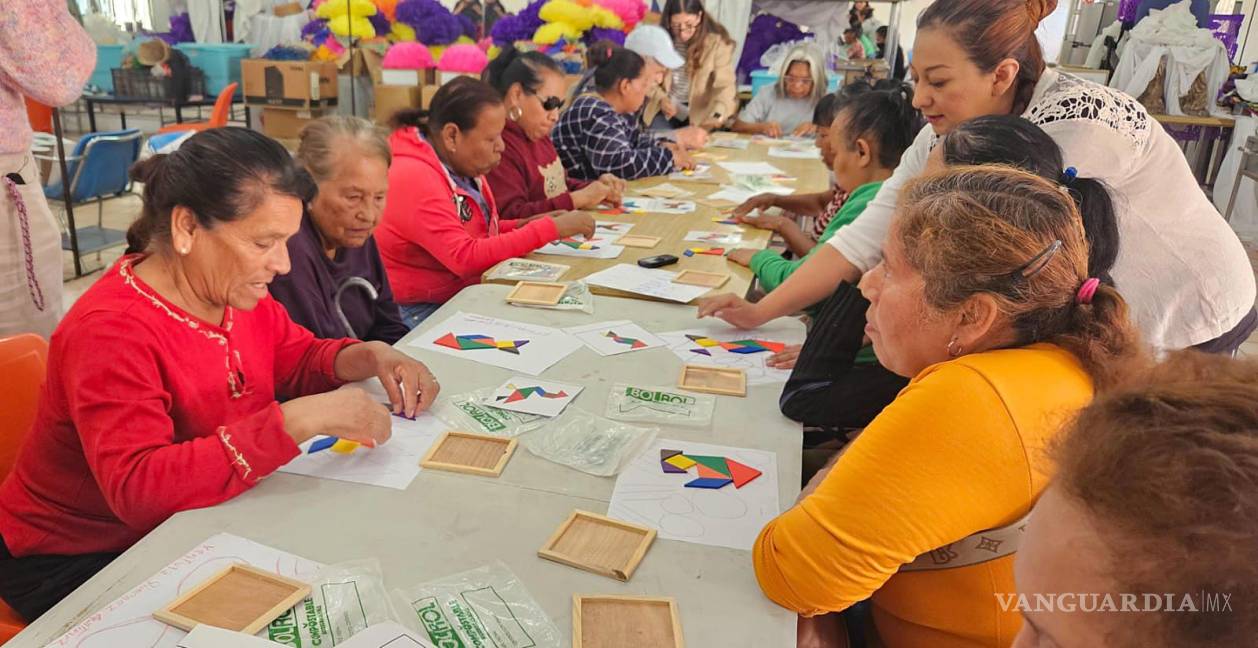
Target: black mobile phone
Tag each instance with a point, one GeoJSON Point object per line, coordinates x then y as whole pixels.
{"type": "Point", "coordinates": [657, 261]}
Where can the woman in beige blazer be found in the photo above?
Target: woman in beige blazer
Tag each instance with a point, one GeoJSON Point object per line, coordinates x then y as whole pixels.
{"type": "Point", "coordinates": [704, 91]}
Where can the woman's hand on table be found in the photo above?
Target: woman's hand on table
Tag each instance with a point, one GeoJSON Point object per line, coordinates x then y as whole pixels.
{"type": "Point", "coordinates": [771, 222]}
{"type": "Point", "coordinates": [348, 413]}
{"type": "Point", "coordinates": [785, 359]}
{"type": "Point", "coordinates": [741, 256]}
{"type": "Point", "coordinates": [410, 385]}
{"type": "Point", "coordinates": [591, 195]}
{"type": "Point", "coordinates": [770, 129]}
{"type": "Point", "coordinates": [681, 159]}
{"type": "Point", "coordinates": [691, 137]}
{"type": "Point", "coordinates": [758, 202]}
{"type": "Point", "coordinates": [805, 129]}
{"type": "Point", "coordinates": [574, 223]}
{"type": "Point", "coordinates": [733, 309]}
{"type": "Point", "coordinates": [617, 188]}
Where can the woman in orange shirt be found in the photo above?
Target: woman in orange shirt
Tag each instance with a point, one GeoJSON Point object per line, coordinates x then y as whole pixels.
{"type": "Point", "coordinates": [983, 298]}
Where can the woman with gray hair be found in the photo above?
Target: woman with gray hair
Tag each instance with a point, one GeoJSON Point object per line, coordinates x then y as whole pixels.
{"type": "Point", "coordinates": [337, 286]}
{"type": "Point", "coordinates": [786, 107]}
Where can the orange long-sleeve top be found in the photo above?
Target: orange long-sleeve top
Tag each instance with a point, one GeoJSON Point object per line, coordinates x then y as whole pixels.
{"type": "Point", "coordinates": [960, 450]}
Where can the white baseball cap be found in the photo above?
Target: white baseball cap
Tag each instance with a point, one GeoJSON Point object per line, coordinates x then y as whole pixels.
{"type": "Point", "coordinates": [654, 41]}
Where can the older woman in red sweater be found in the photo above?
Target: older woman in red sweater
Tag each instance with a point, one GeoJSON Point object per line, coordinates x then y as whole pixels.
{"type": "Point", "coordinates": [530, 179]}
{"type": "Point", "coordinates": [441, 228]}
{"type": "Point", "coordinates": [163, 378]}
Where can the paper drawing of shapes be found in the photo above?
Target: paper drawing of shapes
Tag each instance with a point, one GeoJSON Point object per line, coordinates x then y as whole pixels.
{"type": "Point", "coordinates": [632, 343]}
{"type": "Point", "coordinates": [344, 446]}
{"type": "Point", "coordinates": [681, 461]}
{"type": "Point", "coordinates": [472, 342]}
{"type": "Point", "coordinates": [709, 482]}
{"type": "Point", "coordinates": [322, 444]}
{"type": "Point", "coordinates": [522, 393]}
{"type": "Point", "coordinates": [742, 474]}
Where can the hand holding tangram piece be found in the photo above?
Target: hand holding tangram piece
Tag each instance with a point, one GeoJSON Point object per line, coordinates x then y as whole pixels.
{"type": "Point", "coordinates": [577, 244]}
{"type": "Point", "coordinates": [476, 341]}
{"type": "Point", "coordinates": [736, 346]}
{"type": "Point", "coordinates": [632, 343]}
{"type": "Point", "coordinates": [339, 446]}
{"type": "Point", "coordinates": [704, 250]}
{"type": "Point", "coordinates": [522, 393]}
{"type": "Point", "coordinates": [714, 472]}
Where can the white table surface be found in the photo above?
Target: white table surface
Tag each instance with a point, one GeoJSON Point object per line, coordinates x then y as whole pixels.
{"type": "Point", "coordinates": [446, 522]}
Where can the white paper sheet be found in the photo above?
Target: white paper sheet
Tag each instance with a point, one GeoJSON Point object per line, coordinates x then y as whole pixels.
{"type": "Point", "coordinates": [595, 247]}
{"type": "Point", "coordinates": [725, 517]}
{"type": "Point", "coordinates": [666, 190]}
{"type": "Point", "coordinates": [385, 635]}
{"type": "Point", "coordinates": [533, 396]}
{"type": "Point", "coordinates": [645, 281]}
{"type": "Point", "coordinates": [615, 338]}
{"type": "Point", "coordinates": [206, 636]}
{"type": "Point", "coordinates": [657, 206]}
{"type": "Point", "coordinates": [714, 237]}
{"type": "Point", "coordinates": [701, 172]}
{"type": "Point", "coordinates": [603, 228]}
{"type": "Point", "coordinates": [128, 620]}
{"type": "Point", "coordinates": [730, 143]}
{"type": "Point", "coordinates": [796, 152]}
{"type": "Point", "coordinates": [732, 194]}
{"type": "Point", "coordinates": [545, 346]}
{"type": "Point", "coordinates": [522, 269]}
{"type": "Point", "coordinates": [780, 330]}
{"type": "Point", "coordinates": [751, 168]}
{"type": "Point", "coordinates": [392, 465]}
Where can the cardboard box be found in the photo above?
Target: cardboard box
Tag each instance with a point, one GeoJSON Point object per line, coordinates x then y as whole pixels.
{"type": "Point", "coordinates": [290, 9]}
{"type": "Point", "coordinates": [285, 123]}
{"type": "Point", "coordinates": [392, 98]}
{"type": "Point", "coordinates": [408, 77]}
{"type": "Point", "coordinates": [290, 84]}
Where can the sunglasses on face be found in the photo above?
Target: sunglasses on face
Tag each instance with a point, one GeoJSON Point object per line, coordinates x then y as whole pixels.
{"type": "Point", "coordinates": [549, 103]}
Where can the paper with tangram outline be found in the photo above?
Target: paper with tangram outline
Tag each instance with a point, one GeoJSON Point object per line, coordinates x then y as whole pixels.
{"type": "Point", "coordinates": [545, 346]}
{"type": "Point", "coordinates": [685, 345]}
{"type": "Point", "coordinates": [616, 337]}
{"type": "Point", "coordinates": [533, 396]}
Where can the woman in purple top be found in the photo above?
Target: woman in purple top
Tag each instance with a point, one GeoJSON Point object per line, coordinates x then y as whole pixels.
{"type": "Point", "coordinates": [334, 253]}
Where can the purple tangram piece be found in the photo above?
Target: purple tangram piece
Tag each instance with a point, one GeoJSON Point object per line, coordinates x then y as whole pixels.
{"type": "Point", "coordinates": [670, 468]}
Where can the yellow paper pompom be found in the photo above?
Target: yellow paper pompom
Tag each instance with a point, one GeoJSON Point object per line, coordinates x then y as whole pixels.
{"type": "Point", "coordinates": [550, 33]}
{"type": "Point", "coordinates": [493, 52]}
{"type": "Point", "coordinates": [362, 28]}
{"type": "Point", "coordinates": [402, 33]}
{"type": "Point", "coordinates": [566, 11]}
{"type": "Point", "coordinates": [436, 51]}
{"type": "Point", "coordinates": [464, 40]}
{"type": "Point", "coordinates": [606, 19]}
{"type": "Point", "coordinates": [333, 8]}
{"type": "Point", "coordinates": [323, 54]}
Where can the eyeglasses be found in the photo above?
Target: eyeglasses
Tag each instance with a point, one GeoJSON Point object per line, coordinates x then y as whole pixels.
{"type": "Point", "coordinates": [683, 26]}
{"type": "Point", "coordinates": [549, 103]}
{"type": "Point", "coordinates": [799, 80]}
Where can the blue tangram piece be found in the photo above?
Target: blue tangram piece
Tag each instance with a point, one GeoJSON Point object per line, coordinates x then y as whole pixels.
{"type": "Point", "coordinates": [709, 482]}
{"type": "Point", "coordinates": [322, 444]}
{"type": "Point", "coordinates": [747, 349]}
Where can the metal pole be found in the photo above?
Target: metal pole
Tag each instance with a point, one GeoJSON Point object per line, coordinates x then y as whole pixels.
{"type": "Point", "coordinates": [353, 95]}
{"type": "Point", "coordinates": [65, 192]}
{"type": "Point", "coordinates": [893, 39]}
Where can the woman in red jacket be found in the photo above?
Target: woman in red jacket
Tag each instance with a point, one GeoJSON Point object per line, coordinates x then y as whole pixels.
{"type": "Point", "coordinates": [531, 179]}
{"type": "Point", "coordinates": [163, 377]}
{"type": "Point", "coordinates": [440, 229]}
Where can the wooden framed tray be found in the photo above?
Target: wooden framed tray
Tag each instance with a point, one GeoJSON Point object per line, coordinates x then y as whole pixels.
{"type": "Point", "coordinates": [713, 380]}
{"type": "Point", "coordinates": [542, 293]}
{"type": "Point", "coordinates": [701, 278]}
{"type": "Point", "coordinates": [599, 544]}
{"type": "Point", "coordinates": [240, 598]}
{"type": "Point", "coordinates": [606, 621]}
{"type": "Point", "coordinates": [638, 241]}
{"type": "Point", "coordinates": [464, 452]}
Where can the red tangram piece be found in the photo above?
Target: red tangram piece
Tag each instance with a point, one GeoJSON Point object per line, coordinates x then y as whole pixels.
{"type": "Point", "coordinates": [742, 474]}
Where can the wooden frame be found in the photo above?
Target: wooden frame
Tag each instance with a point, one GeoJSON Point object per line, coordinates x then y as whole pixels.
{"type": "Point", "coordinates": [701, 278]}
{"type": "Point", "coordinates": [713, 380]}
{"type": "Point", "coordinates": [625, 621]}
{"type": "Point", "coordinates": [638, 241]}
{"type": "Point", "coordinates": [599, 544]}
{"type": "Point", "coordinates": [541, 293]}
{"type": "Point", "coordinates": [236, 600]}
{"type": "Point", "coordinates": [475, 454]}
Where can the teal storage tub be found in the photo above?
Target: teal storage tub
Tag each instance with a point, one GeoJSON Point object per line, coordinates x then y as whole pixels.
{"type": "Point", "coordinates": [108, 57]}
{"type": "Point", "coordinates": [219, 61]}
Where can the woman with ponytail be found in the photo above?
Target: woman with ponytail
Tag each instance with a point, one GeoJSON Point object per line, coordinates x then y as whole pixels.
{"type": "Point", "coordinates": [985, 300]}
{"type": "Point", "coordinates": [1184, 271]}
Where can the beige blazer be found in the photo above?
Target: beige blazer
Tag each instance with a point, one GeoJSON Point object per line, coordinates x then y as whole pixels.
{"type": "Point", "coordinates": [713, 86]}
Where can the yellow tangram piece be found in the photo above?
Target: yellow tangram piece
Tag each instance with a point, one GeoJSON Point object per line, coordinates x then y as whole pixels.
{"type": "Point", "coordinates": [681, 461]}
{"type": "Point", "coordinates": [505, 344]}
{"type": "Point", "coordinates": [706, 342]}
{"type": "Point", "coordinates": [344, 446]}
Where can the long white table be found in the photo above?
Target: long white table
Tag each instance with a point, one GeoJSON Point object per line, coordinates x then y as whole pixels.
{"type": "Point", "coordinates": [446, 523]}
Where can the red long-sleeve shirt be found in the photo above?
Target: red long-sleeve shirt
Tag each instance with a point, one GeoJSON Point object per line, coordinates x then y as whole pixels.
{"type": "Point", "coordinates": [431, 250]}
{"type": "Point", "coordinates": [148, 411]}
{"type": "Point", "coordinates": [530, 179]}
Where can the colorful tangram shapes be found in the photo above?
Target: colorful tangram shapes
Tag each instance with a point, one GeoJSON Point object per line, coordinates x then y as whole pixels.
{"type": "Point", "coordinates": [473, 342]}
{"type": "Point", "coordinates": [704, 250]}
{"type": "Point", "coordinates": [611, 211]}
{"type": "Point", "coordinates": [631, 207]}
{"type": "Point", "coordinates": [339, 446]}
{"type": "Point", "coordinates": [632, 343]}
{"type": "Point", "coordinates": [736, 346]}
{"type": "Point", "coordinates": [725, 220]}
{"type": "Point", "coordinates": [521, 393]}
{"type": "Point", "coordinates": [577, 244]}
{"type": "Point", "coordinates": [714, 472]}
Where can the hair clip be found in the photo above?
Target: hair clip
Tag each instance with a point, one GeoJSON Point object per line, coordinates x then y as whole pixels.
{"type": "Point", "coordinates": [1068, 176]}
{"type": "Point", "coordinates": [1037, 262]}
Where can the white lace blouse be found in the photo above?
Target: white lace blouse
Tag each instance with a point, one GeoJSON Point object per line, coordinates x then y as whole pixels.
{"type": "Point", "coordinates": [1182, 270]}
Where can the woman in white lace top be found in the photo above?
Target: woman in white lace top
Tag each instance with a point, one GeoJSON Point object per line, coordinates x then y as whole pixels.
{"type": "Point", "coordinates": [1182, 270]}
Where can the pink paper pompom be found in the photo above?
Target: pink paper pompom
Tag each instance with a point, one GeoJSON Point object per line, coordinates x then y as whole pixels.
{"type": "Point", "coordinates": [630, 11]}
{"type": "Point", "coordinates": [408, 56]}
{"type": "Point", "coordinates": [463, 58]}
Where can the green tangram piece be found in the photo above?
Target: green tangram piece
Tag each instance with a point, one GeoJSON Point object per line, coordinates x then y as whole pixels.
{"type": "Point", "coordinates": [715, 463]}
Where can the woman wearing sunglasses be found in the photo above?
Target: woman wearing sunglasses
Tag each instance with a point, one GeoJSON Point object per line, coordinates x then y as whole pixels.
{"type": "Point", "coordinates": [530, 179]}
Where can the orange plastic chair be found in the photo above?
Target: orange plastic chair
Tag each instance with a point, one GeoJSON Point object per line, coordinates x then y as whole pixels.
{"type": "Point", "coordinates": [218, 116]}
{"type": "Point", "coordinates": [23, 363]}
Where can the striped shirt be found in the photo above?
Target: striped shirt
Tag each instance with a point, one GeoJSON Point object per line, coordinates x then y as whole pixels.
{"type": "Point", "coordinates": [679, 94]}
{"type": "Point", "coordinates": [592, 139]}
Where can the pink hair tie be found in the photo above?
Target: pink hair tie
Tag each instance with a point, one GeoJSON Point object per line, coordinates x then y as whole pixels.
{"type": "Point", "coordinates": [1087, 290]}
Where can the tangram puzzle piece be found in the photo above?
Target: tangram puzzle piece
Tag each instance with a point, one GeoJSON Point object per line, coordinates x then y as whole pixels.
{"type": "Point", "coordinates": [322, 444]}
{"type": "Point", "coordinates": [611, 211]}
{"type": "Point", "coordinates": [344, 446]}
{"type": "Point", "coordinates": [725, 221]}
{"type": "Point", "coordinates": [742, 474]}
{"type": "Point", "coordinates": [704, 471]}
{"type": "Point", "coordinates": [708, 482]}
{"type": "Point", "coordinates": [702, 250]}
{"type": "Point", "coordinates": [632, 343]}
{"type": "Point", "coordinates": [522, 393]}
{"type": "Point", "coordinates": [737, 346]}
{"type": "Point", "coordinates": [681, 461]}
{"type": "Point", "coordinates": [713, 463]}
{"type": "Point", "coordinates": [665, 455]}
{"type": "Point", "coordinates": [471, 342]}
{"type": "Point", "coordinates": [577, 244]}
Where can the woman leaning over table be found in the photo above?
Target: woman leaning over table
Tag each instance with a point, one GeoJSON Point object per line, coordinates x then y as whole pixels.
{"type": "Point", "coordinates": [530, 179]}
{"type": "Point", "coordinates": [983, 299]}
{"type": "Point", "coordinates": [703, 92]}
{"type": "Point", "coordinates": [164, 379]}
{"type": "Point", "coordinates": [337, 277]}
{"type": "Point", "coordinates": [1183, 271]}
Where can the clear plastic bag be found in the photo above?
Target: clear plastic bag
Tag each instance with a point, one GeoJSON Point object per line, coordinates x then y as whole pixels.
{"type": "Point", "coordinates": [576, 297]}
{"type": "Point", "coordinates": [344, 599]}
{"type": "Point", "coordinates": [470, 412]}
{"type": "Point", "coordinates": [527, 270]}
{"type": "Point", "coordinates": [589, 443]}
{"type": "Point", "coordinates": [659, 405]}
{"type": "Point", "coordinates": [484, 607]}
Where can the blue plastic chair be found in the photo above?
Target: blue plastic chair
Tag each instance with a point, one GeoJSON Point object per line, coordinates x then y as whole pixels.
{"type": "Point", "coordinates": [97, 169]}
